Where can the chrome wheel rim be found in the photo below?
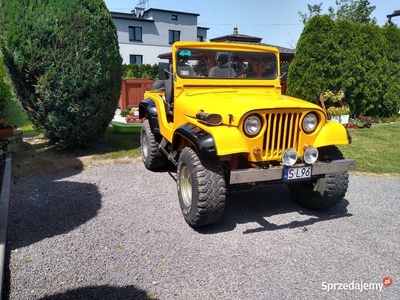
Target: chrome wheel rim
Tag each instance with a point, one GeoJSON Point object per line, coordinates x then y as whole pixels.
{"type": "Point", "coordinates": [185, 185]}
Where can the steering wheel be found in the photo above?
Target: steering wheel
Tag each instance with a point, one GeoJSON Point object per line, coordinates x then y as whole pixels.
{"type": "Point", "coordinates": [248, 73]}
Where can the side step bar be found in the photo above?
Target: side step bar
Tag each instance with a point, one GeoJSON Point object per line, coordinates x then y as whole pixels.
{"type": "Point", "coordinates": [170, 156]}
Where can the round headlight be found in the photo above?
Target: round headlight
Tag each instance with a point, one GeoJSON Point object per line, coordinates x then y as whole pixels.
{"type": "Point", "coordinates": [289, 157]}
{"type": "Point", "coordinates": [310, 155]}
{"type": "Point", "coordinates": [252, 125]}
{"type": "Point", "coordinates": [310, 122]}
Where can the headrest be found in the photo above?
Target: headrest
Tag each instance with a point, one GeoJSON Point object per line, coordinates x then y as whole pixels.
{"type": "Point", "coordinates": [222, 57]}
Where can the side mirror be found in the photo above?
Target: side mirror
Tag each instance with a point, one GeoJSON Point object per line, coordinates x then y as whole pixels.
{"type": "Point", "coordinates": [162, 68]}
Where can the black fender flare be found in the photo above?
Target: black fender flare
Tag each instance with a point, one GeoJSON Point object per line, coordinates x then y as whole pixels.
{"type": "Point", "coordinates": [148, 109]}
{"type": "Point", "coordinates": [201, 139]}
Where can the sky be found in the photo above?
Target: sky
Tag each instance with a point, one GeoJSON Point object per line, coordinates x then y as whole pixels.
{"type": "Point", "coordinates": [275, 21]}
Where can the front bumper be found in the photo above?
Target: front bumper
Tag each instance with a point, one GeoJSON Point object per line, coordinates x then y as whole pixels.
{"type": "Point", "coordinates": [276, 173]}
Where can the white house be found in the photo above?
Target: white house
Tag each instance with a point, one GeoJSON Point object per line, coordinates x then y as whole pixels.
{"type": "Point", "coordinates": [145, 34]}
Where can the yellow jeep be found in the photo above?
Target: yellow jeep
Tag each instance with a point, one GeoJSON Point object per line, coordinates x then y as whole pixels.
{"type": "Point", "coordinates": [218, 114]}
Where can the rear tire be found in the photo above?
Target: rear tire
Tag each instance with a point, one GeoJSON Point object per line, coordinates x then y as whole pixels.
{"type": "Point", "coordinates": [320, 193]}
{"type": "Point", "coordinates": [201, 188]}
{"type": "Point", "coordinates": [152, 157]}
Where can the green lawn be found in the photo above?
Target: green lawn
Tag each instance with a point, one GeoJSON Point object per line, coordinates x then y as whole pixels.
{"type": "Point", "coordinates": [122, 145]}
{"type": "Point", "coordinates": [377, 149]}
{"type": "Point", "coordinates": [18, 117]}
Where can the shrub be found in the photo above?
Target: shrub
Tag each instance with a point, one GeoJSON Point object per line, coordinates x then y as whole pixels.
{"type": "Point", "coordinates": [360, 122]}
{"type": "Point", "coordinates": [63, 59]}
{"type": "Point", "coordinates": [5, 88]}
{"type": "Point", "coordinates": [125, 112]}
{"type": "Point", "coordinates": [364, 121]}
{"type": "Point", "coordinates": [143, 71]}
{"type": "Point", "coordinates": [360, 59]}
{"type": "Point", "coordinates": [311, 70]}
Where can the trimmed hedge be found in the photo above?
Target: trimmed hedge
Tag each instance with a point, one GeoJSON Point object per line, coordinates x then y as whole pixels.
{"type": "Point", "coordinates": [143, 71]}
{"type": "Point", "coordinates": [360, 59]}
{"type": "Point", "coordinates": [63, 59]}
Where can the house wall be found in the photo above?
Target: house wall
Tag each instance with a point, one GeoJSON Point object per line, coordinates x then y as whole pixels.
{"type": "Point", "coordinates": [201, 31]}
{"type": "Point", "coordinates": [155, 26]}
{"type": "Point", "coordinates": [186, 24]}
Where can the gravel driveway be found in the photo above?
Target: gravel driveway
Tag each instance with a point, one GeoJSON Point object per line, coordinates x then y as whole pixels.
{"type": "Point", "coordinates": [116, 232]}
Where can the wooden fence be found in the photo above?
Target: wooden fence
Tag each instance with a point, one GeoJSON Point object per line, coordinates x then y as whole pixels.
{"type": "Point", "coordinates": [132, 92]}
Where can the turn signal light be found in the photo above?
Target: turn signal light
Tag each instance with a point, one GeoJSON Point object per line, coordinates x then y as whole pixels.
{"type": "Point", "coordinates": [210, 119]}
{"type": "Point", "coordinates": [256, 151]}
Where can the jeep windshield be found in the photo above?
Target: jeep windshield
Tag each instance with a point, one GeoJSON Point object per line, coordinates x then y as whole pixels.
{"type": "Point", "coordinates": [234, 65]}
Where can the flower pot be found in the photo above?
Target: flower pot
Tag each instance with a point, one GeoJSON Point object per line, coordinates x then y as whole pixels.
{"type": "Point", "coordinates": [344, 119]}
{"type": "Point", "coordinates": [6, 132]}
{"type": "Point", "coordinates": [126, 127]}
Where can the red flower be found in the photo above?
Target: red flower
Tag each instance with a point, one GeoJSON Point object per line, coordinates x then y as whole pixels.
{"type": "Point", "coordinates": [352, 126]}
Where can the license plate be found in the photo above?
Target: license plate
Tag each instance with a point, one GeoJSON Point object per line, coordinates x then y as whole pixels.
{"type": "Point", "coordinates": [297, 173]}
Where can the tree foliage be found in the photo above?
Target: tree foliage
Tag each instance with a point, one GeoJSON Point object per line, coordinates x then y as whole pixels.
{"type": "Point", "coordinates": [361, 59]}
{"type": "Point", "coordinates": [358, 11]}
{"type": "Point", "coordinates": [5, 88]}
{"type": "Point", "coordinates": [313, 10]}
{"type": "Point", "coordinates": [63, 59]}
{"type": "Point", "coordinates": [311, 69]}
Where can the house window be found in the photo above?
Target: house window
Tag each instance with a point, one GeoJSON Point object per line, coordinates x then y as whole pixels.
{"type": "Point", "coordinates": [135, 34]}
{"type": "Point", "coordinates": [174, 36]}
{"type": "Point", "coordinates": [174, 17]}
{"type": "Point", "coordinates": [200, 38]}
{"type": "Point", "coordinates": [136, 59]}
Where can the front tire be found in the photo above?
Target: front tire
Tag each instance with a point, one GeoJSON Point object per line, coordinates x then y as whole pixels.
{"type": "Point", "coordinates": [322, 192]}
{"type": "Point", "coordinates": [152, 157]}
{"type": "Point", "coordinates": [201, 188]}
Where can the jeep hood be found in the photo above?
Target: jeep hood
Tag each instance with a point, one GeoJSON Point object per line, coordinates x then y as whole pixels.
{"type": "Point", "coordinates": [237, 103]}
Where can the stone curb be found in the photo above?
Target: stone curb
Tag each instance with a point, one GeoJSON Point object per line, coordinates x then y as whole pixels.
{"type": "Point", "coordinates": [4, 202]}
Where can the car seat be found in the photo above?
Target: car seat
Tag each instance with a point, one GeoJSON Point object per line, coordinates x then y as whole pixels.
{"type": "Point", "coordinates": [222, 70]}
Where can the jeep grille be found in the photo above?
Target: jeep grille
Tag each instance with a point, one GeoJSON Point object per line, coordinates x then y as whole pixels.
{"type": "Point", "coordinates": [282, 132]}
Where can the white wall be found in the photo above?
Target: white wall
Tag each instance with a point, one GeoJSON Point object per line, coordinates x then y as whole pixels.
{"type": "Point", "coordinates": [149, 52]}
{"type": "Point", "coordinates": [155, 34]}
